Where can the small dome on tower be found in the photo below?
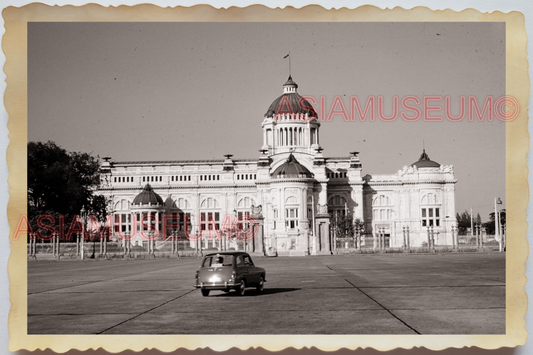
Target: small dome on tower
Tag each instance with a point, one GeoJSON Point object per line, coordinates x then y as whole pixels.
{"type": "Point", "coordinates": [290, 102]}
{"type": "Point", "coordinates": [290, 82]}
{"type": "Point", "coordinates": [425, 162]}
{"type": "Point", "coordinates": [148, 196]}
{"type": "Point", "coordinates": [292, 169]}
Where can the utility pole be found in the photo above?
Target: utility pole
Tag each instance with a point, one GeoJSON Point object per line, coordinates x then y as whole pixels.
{"type": "Point", "coordinates": [471, 223]}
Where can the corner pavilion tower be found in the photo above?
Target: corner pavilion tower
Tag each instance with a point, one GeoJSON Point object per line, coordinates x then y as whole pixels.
{"type": "Point", "coordinates": [292, 190]}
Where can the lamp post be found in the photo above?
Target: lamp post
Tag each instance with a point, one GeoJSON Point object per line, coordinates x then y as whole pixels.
{"type": "Point", "coordinates": [504, 237]}
{"type": "Point", "coordinates": [359, 228]}
{"type": "Point", "coordinates": [480, 236]}
{"type": "Point", "coordinates": [83, 214]}
{"type": "Point", "coordinates": [497, 222]}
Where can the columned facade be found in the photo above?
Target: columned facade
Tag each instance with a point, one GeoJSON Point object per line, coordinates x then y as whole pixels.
{"type": "Point", "coordinates": [292, 193]}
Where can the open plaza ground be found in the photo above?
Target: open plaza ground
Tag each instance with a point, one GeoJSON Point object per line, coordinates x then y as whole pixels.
{"type": "Point", "coordinates": [449, 293]}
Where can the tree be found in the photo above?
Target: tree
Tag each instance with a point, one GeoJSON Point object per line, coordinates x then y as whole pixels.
{"type": "Point", "coordinates": [490, 225]}
{"type": "Point", "coordinates": [342, 226]}
{"type": "Point", "coordinates": [463, 222]}
{"type": "Point", "coordinates": [60, 183]}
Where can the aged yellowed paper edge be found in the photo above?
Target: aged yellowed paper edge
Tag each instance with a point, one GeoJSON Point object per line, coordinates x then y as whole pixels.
{"type": "Point", "coordinates": [14, 45]}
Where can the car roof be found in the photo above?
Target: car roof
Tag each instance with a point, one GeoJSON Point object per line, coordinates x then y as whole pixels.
{"type": "Point", "coordinates": [227, 253]}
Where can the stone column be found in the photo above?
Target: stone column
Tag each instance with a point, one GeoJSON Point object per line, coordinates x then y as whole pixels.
{"type": "Point", "coordinates": [54, 244]}
{"type": "Point", "coordinates": [58, 246]}
{"type": "Point", "coordinates": [454, 239]}
{"type": "Point", "coordinates": [408, 239]}
{"type": "Point", "coordinates": [322, 223]}
{"type": "Point", "coordinates": [258, 235]}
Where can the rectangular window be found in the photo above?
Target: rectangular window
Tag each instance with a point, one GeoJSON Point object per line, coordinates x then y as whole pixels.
{"type": "Point", "coordinates": [431, 217]}
{"type": "Point", "coordinates": [184, 218]}
{"type": "Point", "coordinates": [291, 218]}
{"type": "Point", "coordinates": [208, 218]}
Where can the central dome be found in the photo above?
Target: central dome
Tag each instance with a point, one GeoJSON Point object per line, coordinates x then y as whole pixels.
{"type": "Point", "coordinates": [290, 102]}
{"type": "Point", "coordinates": [148, 196]}
{"type": "Point", "coordinates": [291, 169]}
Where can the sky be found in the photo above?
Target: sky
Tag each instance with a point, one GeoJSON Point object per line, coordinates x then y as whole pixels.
{"type": "Point", "coordinates": [179, 91]}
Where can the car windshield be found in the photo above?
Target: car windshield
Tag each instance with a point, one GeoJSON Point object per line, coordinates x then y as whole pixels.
{"type": "Point", "coordinates": [218, 261]}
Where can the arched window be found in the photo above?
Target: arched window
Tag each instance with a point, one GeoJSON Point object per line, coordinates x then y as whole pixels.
{"type": "Point", "coordinates": [290, 136]}
{"type": "Point", "coordinates": [291, 200]}
{"type": "Point", "coordinates": [337, 201]}
{"type": "Point", "coordinates": [210, 214]}
{"type": "Point", "coordinates": [246, 202]}
{"type": "Point", "coordinates": [337, 205]}
{"type": "Point", "coordinates": [209, 203]}
{"type": "Point", "coordinates": [430, 213]}
{"type": "Point", "coordinates": [381, 200]}
{"type": "Point", "coordinates": [382, 214]}
{"type": "Point", "coordinates": [183, 203]}
{"type": "Point", "coordinates": [429, 199]}
{"type": "Point", "coordinates": [122, 216]}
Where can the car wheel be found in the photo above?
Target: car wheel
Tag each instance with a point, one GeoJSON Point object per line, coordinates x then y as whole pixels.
{"type": "Point", "coordinates": [261, 285]}
{"type": "Point", "coordinates": [242, 288]}
{"type": "Point", "coordinates": [205, 293]}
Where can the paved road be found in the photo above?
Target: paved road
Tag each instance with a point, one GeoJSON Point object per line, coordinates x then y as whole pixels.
{"type": "Point", "coordinates": [362, 294]}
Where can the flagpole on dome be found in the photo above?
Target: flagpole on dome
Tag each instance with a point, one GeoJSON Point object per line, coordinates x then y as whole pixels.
{"type": "Point", "coordinates": [289, 56]}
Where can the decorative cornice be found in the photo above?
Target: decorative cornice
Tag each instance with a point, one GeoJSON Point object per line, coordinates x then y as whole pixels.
{"type": "Point", "coordinates": [303, 180]}
{"type": "Point", "coordinates": [179, 162]}
{"type": "Point", "coordinates": [400, 183]}
{"type": "Point", "coordinates": [180, 187]}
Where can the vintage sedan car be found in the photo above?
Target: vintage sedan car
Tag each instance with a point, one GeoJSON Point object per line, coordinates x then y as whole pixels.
{"type": "Point", "coordinates": [228, 271]}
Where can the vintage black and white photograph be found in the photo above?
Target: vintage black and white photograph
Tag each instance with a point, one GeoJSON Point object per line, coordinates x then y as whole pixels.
{"type": "Point", "coordinates": [267, 178]}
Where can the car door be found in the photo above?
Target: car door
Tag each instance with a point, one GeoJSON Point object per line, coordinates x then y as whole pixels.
{"type": "Point", "coordinates": [253, 275]}
{"type": "Point", "coordinates": [241, 269]}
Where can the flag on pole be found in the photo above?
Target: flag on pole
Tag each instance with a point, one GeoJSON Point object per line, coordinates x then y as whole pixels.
{"type": "Point", "coordinates": [286, 56]}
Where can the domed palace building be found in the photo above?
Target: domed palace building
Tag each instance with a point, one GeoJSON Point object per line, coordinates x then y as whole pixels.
{"type": "Point", "coordinates": [300, 202]}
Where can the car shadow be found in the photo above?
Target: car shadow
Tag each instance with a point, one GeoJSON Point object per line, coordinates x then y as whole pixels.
{"type": "Point", "coordinates": [254, 292]}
